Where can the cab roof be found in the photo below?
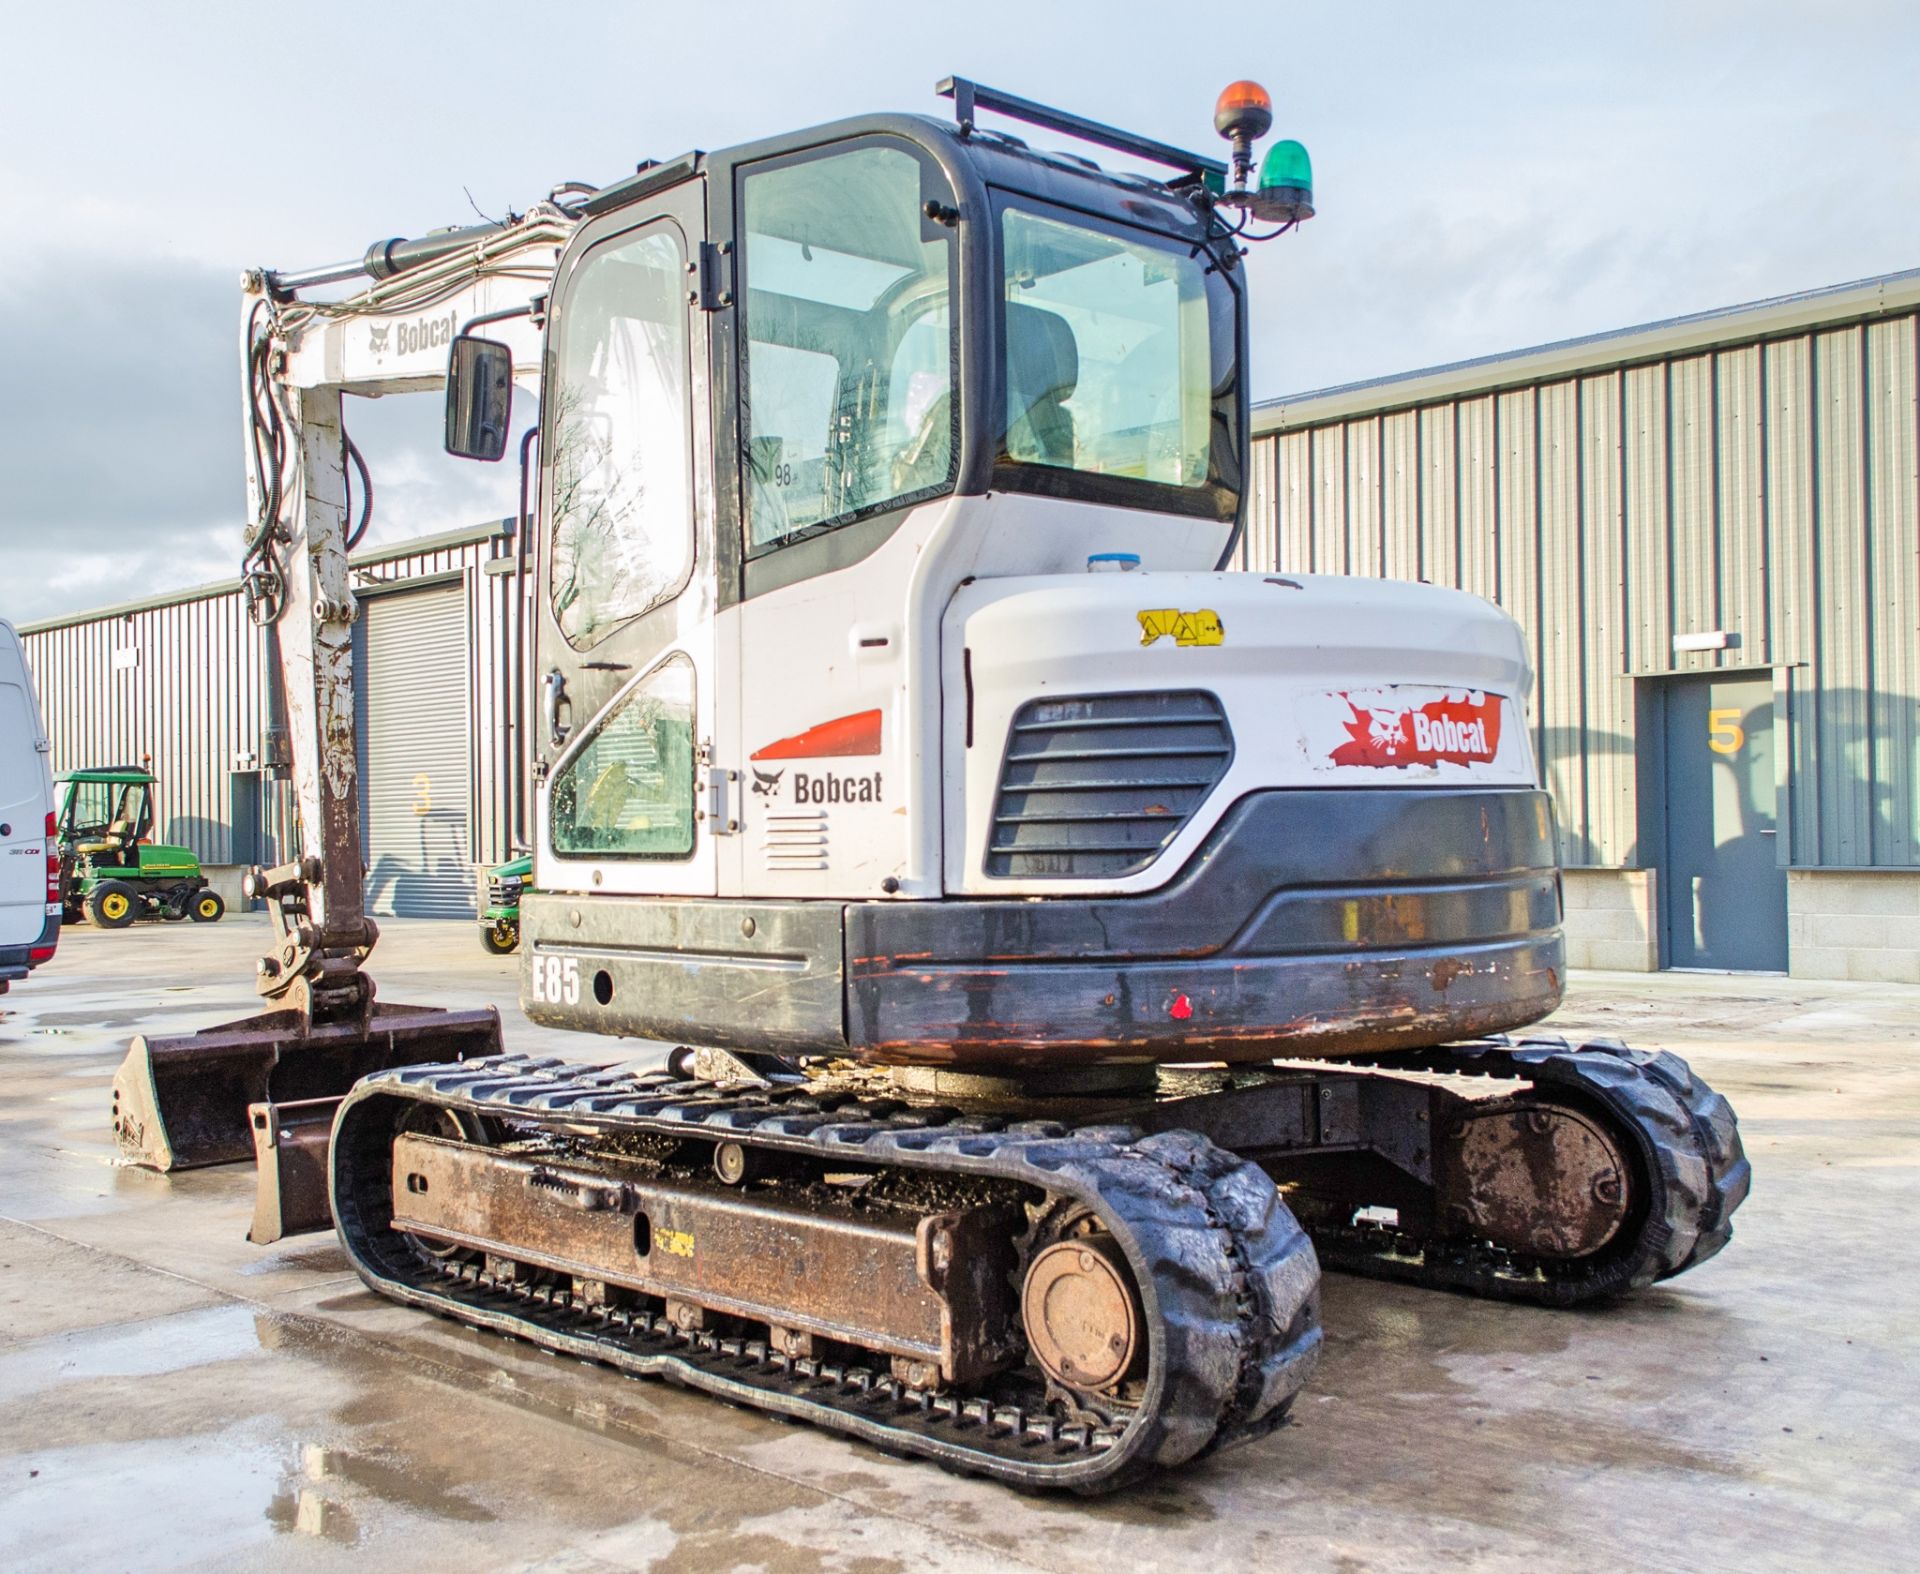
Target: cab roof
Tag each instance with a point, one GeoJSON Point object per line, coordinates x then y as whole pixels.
{"type": "Point", "coordinates": [119, 775]}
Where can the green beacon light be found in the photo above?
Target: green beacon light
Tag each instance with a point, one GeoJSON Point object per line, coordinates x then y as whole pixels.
{"type": "Point", "coordinates": [1284, 195]}
{"type": "Point", "coordinates": [1285, 192]}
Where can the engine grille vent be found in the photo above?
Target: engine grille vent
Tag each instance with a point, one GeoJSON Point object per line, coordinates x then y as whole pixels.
{"type": "Point", "coordinates": [1099, 785]}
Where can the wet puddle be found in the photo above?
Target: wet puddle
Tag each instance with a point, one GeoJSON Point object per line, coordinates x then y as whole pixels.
{"type": "Point", "coordinates": [78, 1508]}
{"type": "Point", "coordinates": [404, 1484]}
{"type": "Point", "coordinates": [73, 1495]}
{"type": "Point", "coordinates": [146, 1349]}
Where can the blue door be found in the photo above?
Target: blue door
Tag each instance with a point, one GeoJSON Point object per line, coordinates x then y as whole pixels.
{"type": "Point", "coordinates": [1725, 893]}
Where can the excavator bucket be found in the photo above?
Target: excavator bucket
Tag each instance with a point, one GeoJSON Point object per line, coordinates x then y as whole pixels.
{"type": "Point", "coordinates": [183, 1101]}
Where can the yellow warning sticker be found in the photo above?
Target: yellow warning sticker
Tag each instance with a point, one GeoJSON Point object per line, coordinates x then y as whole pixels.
{"type": "Point", "coordinates": [1183, 628]}
{"type": "Point", "coordinates": [676, 1243]}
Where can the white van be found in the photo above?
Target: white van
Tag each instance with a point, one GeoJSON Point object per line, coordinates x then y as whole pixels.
{"type": "Point", "coordinates": [29, 860]}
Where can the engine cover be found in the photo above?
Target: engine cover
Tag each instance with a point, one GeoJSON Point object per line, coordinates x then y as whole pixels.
{"type": "Point", "coordinates": [1061, 742]}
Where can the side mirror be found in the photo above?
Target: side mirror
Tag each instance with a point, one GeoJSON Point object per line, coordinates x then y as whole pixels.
{"type": "Point", "coordinates": [479, 398]}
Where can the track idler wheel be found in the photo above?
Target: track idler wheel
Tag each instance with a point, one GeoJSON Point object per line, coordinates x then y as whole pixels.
{"type": "Point", "coordinates": [1545, 1180]}
{"type": "Point", "coordinates": [1084, 1323]}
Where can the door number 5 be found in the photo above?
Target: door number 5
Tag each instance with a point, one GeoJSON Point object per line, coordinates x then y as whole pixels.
{"type": "Point", "coordinates": [556, 980]}
{"type": "Point", "coordinates": [1724, 733]}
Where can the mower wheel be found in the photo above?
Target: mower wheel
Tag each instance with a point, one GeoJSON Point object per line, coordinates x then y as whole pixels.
{"type": "Point", "coordinates": [499, 936]}
{"type": "Point", "coordinates": [113, 904]}
{"type": "Point", "coordinates": [206, 907]}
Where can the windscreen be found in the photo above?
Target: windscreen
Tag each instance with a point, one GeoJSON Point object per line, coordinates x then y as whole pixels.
{"type": "Point", "coordinates": [849, 342]}
{"type": "Point", "coordinates": [1119, 355]}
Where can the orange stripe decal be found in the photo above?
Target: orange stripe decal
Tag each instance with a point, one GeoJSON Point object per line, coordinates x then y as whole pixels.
{"type": "Point", "coordinates": [857, 734]}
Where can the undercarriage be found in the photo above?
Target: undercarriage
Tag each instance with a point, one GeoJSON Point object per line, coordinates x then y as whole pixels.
{"type": "Point", "coordinates": [1054, 1290]}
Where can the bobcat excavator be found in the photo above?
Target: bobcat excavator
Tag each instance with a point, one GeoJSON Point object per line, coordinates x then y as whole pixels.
{"type": "Point", "coordinates": [1073, 945]}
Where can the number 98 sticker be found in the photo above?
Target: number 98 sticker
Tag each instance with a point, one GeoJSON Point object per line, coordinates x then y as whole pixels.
{"type": "Point", "coordinates": [556, 980]}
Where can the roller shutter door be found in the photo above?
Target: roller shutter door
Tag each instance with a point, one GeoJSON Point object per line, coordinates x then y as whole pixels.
{"type": "Point", "coordinates": [412, 697]}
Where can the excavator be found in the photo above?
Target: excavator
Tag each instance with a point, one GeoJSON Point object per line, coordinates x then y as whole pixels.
{"type": "Point", "coordinates": [1070, 944]}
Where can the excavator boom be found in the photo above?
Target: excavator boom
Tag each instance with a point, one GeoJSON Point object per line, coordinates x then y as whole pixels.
{"type": "Point", "coordinates": [215, 1096]}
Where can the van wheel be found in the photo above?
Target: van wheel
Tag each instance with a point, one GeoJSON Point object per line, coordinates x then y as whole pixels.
{"type": "Point", "coordinates": [113, 904]}
{"type": "Point", "coordinates": [206, 907]}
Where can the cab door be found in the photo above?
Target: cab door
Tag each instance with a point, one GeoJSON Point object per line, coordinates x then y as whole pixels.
{"type": "Point", "coordinates": [848, 423]}
{"type": "Point", "coordinates": [624, 672]}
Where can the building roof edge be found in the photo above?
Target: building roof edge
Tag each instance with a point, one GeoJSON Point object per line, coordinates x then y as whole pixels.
{"type": "Point", "coordinates": [465, 535]}
{"type": "Point", "coordinates": [1883, 295]}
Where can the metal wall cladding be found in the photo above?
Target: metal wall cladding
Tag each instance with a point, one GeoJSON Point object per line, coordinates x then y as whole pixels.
{"type": "Point", "coordinates": [180, 684]}
{"type": "Point", "coordinates": [1768, 488]}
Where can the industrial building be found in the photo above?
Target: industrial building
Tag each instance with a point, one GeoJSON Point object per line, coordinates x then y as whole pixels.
{"type": "Point", "coordinates": [179, 682]}
{"type": "Point", "coordinates": [1709, 528]}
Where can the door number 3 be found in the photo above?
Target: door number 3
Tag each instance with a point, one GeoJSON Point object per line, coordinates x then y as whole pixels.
{"type": "Point", "coordinates": [556, 980]}
{"type": "Point", "coordinates": [1724, 732]}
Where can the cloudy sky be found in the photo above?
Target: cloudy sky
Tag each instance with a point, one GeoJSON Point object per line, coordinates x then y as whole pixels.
{"type": "Point", "coordinates": [1488, 176]}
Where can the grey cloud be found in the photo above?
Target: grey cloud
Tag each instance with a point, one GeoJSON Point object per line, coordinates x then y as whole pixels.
{"type": "Point", "coordinates": [120, 406]}
{"type": "Point", "coordinates": [121, 455]}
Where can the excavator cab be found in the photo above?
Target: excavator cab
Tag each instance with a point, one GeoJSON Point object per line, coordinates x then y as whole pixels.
{"type": "Point", "coordinates": [893, 701]}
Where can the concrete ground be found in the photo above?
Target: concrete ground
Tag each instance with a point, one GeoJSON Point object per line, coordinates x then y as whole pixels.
{"type": "Point", "coordinates": [173, 1397]}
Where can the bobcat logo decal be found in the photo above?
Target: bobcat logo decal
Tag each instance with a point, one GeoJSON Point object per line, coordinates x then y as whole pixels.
{"type": "Point", "coordinates": [1385, 732]}
{"type": "Point", "coordinates": [1463, 730]}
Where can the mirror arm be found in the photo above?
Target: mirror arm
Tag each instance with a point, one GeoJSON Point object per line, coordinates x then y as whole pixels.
{"type": "Point", "coordinates": [526, 309]}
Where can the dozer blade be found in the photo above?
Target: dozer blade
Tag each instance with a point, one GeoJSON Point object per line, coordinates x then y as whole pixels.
{"type": "Point", "coordinates": [181, 1102]}
{"type": "Point", "coordinates": [292, 1144]}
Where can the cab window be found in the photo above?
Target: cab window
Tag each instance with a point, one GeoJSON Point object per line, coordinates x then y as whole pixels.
{"type": "Point", "coordinates": [847, 384]}
{"type": "Point", "coordinates": [629, 790]}
{"type": "Point", "coordinates": [1118, 352]}
{"type": "Point", "coordinates": [618, 443]}
{"type": "Point", "coordinates": [89, 807]}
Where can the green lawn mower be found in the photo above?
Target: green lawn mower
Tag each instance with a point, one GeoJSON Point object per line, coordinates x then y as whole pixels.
{"type": "Point", "coordinates": [500, 922]}
{"type": "Point", "coordinates": [109, 872]}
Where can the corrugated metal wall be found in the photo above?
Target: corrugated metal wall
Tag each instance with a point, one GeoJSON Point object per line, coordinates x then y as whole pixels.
{"type": "Point", "coordinates": [1767, 488]}
{"type": "Point", "coordinates": [181, 681]}
{"type": "Point", "coordinates": [180, 685]}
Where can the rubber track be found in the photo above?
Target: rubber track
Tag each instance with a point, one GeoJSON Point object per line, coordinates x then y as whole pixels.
{"type": "Point", "coordinates": [1229, 1280]}
{"type": "Point", "coordinates": [1692, 1167]}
